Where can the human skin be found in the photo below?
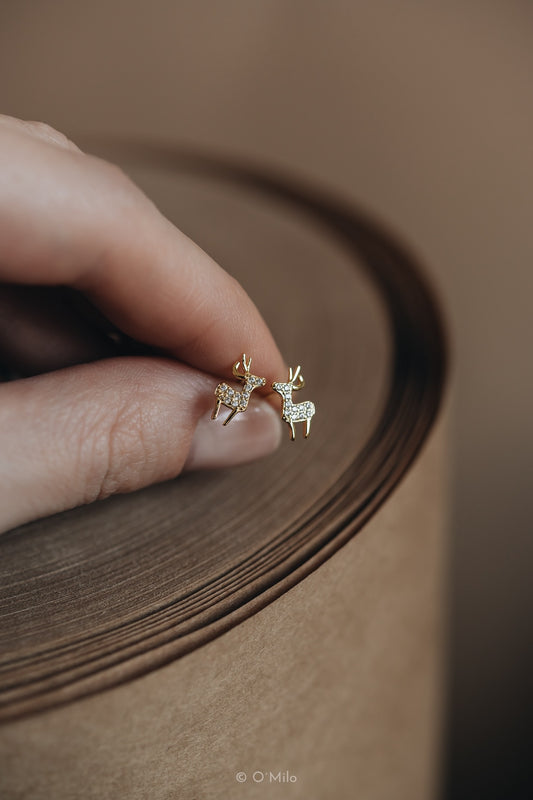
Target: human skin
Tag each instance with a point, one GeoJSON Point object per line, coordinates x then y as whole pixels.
{"type": "Point", "coordinates": [82, 427]}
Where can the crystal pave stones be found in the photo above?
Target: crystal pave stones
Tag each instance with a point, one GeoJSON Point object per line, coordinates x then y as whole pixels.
{"type": "Point", "coordinates": [231, 398]}
{"type": "Point", "coordinates": [294, 412]}
{"type": "Point", "coordinates": [299, 412]}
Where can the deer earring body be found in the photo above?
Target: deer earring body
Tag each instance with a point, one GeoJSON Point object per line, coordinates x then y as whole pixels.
{"type": "Point", "coordinates": [231, 398]}
{"type": "Point", "coordinates": [294, 412]}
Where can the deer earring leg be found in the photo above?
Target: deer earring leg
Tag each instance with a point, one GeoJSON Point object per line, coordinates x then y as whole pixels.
{"type": "Point", "coordinates": [293, 432]}
{"type": "Point", "coordinates": [230, 417]}
{"type": "Point", "coordinates": [307, 427]}
{"type": "Point", "coordinates": [214, 415]}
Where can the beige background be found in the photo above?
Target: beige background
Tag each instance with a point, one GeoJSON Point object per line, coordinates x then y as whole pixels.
{"type": "Point", "coordinates": [421, 112]}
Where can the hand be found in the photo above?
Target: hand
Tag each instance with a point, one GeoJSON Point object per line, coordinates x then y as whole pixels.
{"type": "Point", "coordinates": [83, 427]}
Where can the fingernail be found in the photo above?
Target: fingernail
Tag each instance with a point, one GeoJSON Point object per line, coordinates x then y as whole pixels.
{"type": "Point", "coordinates": [251, 434]}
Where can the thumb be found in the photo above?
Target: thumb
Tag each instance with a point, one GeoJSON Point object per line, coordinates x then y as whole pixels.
{"type": "Point", "coordinates": [76, 435]}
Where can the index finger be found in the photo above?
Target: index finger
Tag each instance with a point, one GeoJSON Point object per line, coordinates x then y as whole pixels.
{"type": "Point", "coordinates": [67, 218]}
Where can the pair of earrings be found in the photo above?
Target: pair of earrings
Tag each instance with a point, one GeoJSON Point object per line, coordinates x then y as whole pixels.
{"type": "Point", "coordinates": [238, 401]}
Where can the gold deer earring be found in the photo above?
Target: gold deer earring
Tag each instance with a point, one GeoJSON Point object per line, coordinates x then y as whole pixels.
{"type": "Point", "coordinates": [231, 398]}
{"type": "Point", "coordinates": [294, 412]}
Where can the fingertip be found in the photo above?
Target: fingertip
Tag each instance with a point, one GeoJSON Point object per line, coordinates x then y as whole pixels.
{"type": "Point", "coordinates": [249, 436]}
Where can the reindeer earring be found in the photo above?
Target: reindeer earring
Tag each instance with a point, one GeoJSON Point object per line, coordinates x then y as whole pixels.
{"type": "Point", "coordinates": [231, 398]}
{"type": "Point", "coordinates": [294, 412]}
